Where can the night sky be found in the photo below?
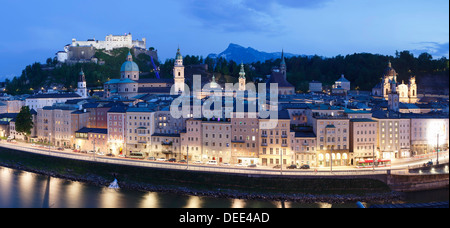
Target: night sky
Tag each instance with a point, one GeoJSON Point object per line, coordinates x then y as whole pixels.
{"type": "Point", "coordinates": [32, 31]}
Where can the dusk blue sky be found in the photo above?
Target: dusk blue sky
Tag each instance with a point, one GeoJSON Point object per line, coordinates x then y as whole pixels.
{"type": "Point", "coordinates": [32, 31]}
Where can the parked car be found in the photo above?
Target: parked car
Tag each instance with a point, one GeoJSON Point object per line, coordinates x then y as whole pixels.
{"type": "Point", "coordinates": [292, 167]}
{"type": "Point", "coordinates": [151, 158]}
{"type": "Point", "coordinates": [172, 160]}
{"type": "Point", "coordinates": [239, 164]}
{"type": "Point", "coordinates": [277, 167]}
{"type": "Point", "coordinates": [100, 153]}
{"type": "Point", "coordinates": [198, 162]}
{"type": "Point", "coordinates": [252, 166]}
{"type": "Point", "coordinates": [121, 155]}
{"type": "Point", "coordinates": [110, 155]}
{"type": "Point", "coordinates": [212, 162]}
{"type": "Point", "coordinates": [182, 161]}
{"type": "Point", "coordinates": [91, 152]}
{"type": "Point", "coordinates": [305, 167]}
{"type": "Point", "coordinates": [226, 164]}
{"type": "Point", "coordinates": [60, 148]}
{"type": "Point", "coordinates": [161, 159]}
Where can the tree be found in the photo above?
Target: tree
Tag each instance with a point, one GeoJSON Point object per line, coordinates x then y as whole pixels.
{"type": "Point", "coordinates": [24, 121]}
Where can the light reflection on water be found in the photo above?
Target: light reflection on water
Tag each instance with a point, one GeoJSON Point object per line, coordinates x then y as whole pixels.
{"type": "Point", "coordinates": [20, 189]}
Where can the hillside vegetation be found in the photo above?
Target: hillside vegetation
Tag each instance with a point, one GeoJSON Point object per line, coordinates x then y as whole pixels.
{"type": "Point", "coordinates": [363, 70]}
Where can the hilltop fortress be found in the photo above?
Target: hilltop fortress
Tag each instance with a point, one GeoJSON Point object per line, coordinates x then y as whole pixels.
{"type": "Point", "coordinates": [84, 51]}
{"type": "Point", "coordinates": [111, 42]}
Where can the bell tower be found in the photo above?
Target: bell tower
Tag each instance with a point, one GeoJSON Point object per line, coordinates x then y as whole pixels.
{"type": "Point", "coordinates": [242, 78]}
{"type": "Point", "coordinates": [283, 69]}
{"type": "Point", "coordinates": [81, 89]}
{"type": "Point", "coordinates": [412, 90]}
{"type": "Point", "coordinates": [178, 73]}
{"type": "Point", "coordinates": [393, 97]}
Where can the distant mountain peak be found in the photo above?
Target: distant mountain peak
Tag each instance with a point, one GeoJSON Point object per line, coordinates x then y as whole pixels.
{"type": "Point", "coordinates": [239, 54]}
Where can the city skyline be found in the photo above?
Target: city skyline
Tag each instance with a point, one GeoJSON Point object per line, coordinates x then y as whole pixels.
{"type": "Point", "coordinates": [326, 27]}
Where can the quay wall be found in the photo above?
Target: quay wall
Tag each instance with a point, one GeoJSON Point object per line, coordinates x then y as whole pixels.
{"type": "Point", "coordinates": [417, 182]}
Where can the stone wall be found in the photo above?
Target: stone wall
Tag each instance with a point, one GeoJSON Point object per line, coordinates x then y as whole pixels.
{"type": "Point", "coordinates": [417, 182]}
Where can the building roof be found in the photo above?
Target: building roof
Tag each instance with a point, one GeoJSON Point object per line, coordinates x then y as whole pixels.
{"type": "Point", "coordinates": [154, 90]}
{"type": "Point", "coordinates": [362, 120]}
{"type": "Point", "coordinates": [166, 135]}
{"type": "Point", "coordinates": [93, 130]}
{"type": "Point", "coordinates": [54, 95]}
{"type": "Point", "coordinates": [140, 109]}
{"type": "Point", "coordinates": [278, 77]}
{"type": "Point", "coordinates": [69, 108]}
{"type": "Point", "coordinates": [342, 79]}
{"type": "Point", "coordinates": [156, 80]}
{"type": "Point", "coordinates": [120, 109]}
{"type": "Point", "coordinates": [305, 134]}
{"type": "Point", "coordinates": [351, 111]}
{"type": "Point", "coordinates": [118, 81]}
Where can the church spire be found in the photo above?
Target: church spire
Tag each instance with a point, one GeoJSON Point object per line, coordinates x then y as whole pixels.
{"type": "Point", "coordinates": [129, 56]}
{"type": "Point", "coordinates": [283, 69]}
{"type": "Point", "coordinates": [82, 76]}
{"type": "Point", "coordinates": [242, 72]}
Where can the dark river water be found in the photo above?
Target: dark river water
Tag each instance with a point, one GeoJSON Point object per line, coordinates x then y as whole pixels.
{"type": "Point", "coordinates": [19, 189]}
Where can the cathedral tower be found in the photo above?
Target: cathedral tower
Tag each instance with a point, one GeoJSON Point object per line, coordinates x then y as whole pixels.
{"type": "Point", "coordinates": [178, 73]}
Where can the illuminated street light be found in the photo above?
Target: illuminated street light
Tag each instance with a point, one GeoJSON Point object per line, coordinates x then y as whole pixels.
{"type": "Point", "coordinates": [436, 130]}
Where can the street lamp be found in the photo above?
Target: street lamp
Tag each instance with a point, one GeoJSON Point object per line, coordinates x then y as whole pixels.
{"type": "Point", "coordinates": [331, 157]}
{"type": "Point", "coordinates": [94, 150]}
{"type": "Point", "coordinates": [437, 149]}
{"type": "Point", "coordinates": [187, 157]}
{"type": "Point", "coordinates": [49, 140]}
{"type": "Point", "coordinates": [436, 129]}
{"type": "Point", "coordinates": [373, 155]}
{"type": "Point", "coordinates": [281, 162]}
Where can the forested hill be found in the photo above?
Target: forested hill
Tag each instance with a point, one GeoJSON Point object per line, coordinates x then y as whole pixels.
{"type": "Point", "coordinates": [52, 73]}
{"type": "Point", "coordinates": [364, 70]}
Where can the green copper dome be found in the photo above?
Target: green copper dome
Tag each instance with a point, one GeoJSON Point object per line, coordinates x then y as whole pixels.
{"type": "Point", "coordinates": [129, 65]}
{"type": "Point", "coordinates": [179, 56]}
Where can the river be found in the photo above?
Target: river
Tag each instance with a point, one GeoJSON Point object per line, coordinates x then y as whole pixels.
{"type": "Point", "coordinates": [20, 189]}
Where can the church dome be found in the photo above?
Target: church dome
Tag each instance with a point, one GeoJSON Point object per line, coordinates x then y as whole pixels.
{"type": "Point", "coordinates": [389, 71]}
{"type": "Point", "coordinates": [129, 65]}
{"type": "Point", "coordinates": [179, 56]}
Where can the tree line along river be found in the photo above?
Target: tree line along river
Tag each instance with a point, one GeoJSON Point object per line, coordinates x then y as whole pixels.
{"type": "Point", "coordinates": [20, 189]}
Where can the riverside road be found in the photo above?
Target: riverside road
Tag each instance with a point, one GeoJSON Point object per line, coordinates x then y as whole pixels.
{"type": "Point", "coordinates": [398, 166]}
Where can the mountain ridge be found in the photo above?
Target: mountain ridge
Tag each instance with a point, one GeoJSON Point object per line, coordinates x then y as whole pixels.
{"type": "Point", "coordinates": [240, 54]}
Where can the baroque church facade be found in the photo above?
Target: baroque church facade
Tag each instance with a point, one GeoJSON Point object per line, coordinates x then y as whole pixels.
{"type": "Point", "coordinates": [130, 85]}
{"type": "Point", "coordinates": [407, 93]}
